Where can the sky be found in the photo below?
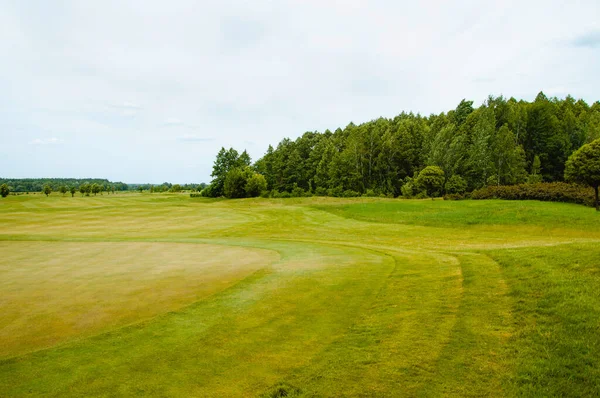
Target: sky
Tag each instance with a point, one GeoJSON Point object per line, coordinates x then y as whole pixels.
{"type": "Point", "coordinates": [148, 91]}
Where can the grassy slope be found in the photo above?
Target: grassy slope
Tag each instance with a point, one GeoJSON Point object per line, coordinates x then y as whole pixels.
{"type": "Point", "coordinates": [361, 297]}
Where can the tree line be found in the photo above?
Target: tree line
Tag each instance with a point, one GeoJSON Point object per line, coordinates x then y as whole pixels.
{"type": "Point", "coordinates": [85, 186]}
{"type": "Point", "coordinates": [502, 142]}
{"type": "Point", "coordinates": [38, 184]}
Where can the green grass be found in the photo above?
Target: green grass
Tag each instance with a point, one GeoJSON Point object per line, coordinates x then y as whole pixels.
{"type": "Point", "coordinates": [140, 294]}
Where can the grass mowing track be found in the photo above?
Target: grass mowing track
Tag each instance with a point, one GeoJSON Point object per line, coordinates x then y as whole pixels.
{"type": "Point", "coordinates": [165, 295]}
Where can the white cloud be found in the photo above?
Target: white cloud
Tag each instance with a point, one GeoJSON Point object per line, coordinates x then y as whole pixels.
{"type": "Point", "coordinates": [194, 138]}
{"type": "Point", "coordinates": [46, 141]}
{"type": "Point", "coordinates": [172, 121]}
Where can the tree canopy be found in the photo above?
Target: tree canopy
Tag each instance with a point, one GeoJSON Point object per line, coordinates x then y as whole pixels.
{"type": "Point", "coordinates": [501, 142]}
{"type": "Point", "coordinates": [583, 166]}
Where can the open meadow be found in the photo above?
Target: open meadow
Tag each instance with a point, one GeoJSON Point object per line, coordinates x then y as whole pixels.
{"type": "Point", "coordinates": [167, 295]}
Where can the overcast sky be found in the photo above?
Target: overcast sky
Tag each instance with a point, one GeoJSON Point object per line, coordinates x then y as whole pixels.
{"type": "Point", "coordinates": [148, 91]}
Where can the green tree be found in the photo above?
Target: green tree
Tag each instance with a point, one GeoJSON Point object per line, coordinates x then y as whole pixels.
{"type": "Point", "coordinates": [583, 166]}
{"type": "Point", "coordinates": [480, 153]}
{"type": "Point", "coordinates": [227, 159]}
{"type": "Point", "coordinates": [535, 175]}
{"type": "Point", "coordinates": [72, 190]}
{"type": "Point", "coordinates": [255, 185]}
{"type": "Point", "coordinates": [235, 182]}
{"type": "Point", "coordinates": [95, 188]}
{"type": "Point", "coordinates": [456, 185]}
{"type": "Point", "coordinates": [4, 190]}
{"type": "Point", "coordinates": [175, 188]}
{"type": "Point", "coordinates": [63, 189]}
{"type": "Point", "coordinates": [47, 189]}
{"type": "Point", "coordinates": [508, 158]}
{"type": "Point", "coordinates": [431, 180]}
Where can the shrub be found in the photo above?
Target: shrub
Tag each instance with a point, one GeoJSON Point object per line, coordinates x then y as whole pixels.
{"type": "Point", "coordinates": [407, 189]}
{"type": "Point", "coordinates": [336, 192]}
{"type": "Point", "coordinates": [321, 191]}
{"type": "Point", "coordinates": [545, 191]}
{"type": "Point", "coordinates": [456, 185]}
{"type": "Point", "coordinates": [297, 192]}
{"type": "Point", "coordinates": [430, 180]}
{"type": "Point", "coordinates": [370, 194]}
{"type": "Point", "coordinates": [349, 193]}
{"type": "Point", "coordinates": [255, 185]}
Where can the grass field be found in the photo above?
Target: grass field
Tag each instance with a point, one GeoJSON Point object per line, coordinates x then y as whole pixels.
{"type": "Point", "coordinates": [165, 295]}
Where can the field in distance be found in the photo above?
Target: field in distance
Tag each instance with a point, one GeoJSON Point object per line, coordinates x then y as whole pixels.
{"type": "Point", "coordinates": [162, 294]}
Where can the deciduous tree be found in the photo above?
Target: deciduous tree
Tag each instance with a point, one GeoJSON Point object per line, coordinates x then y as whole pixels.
{"type": "Point", "coordinates": [583, 166]}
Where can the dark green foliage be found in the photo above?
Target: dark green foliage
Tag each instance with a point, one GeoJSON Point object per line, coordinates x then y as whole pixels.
{"type": "Point", "coordinates": [497, 143]}
{"type": "Point", "coordinates": [551, 192]}
{"type": "Point", "coordinates": [37, 184]}
{"type": "Point", "coordinates": [62, 189]}
{"type": "Point", "coordinates": [235, 182]}
{"type": "Point", "coordinates": [256, 184]}
{"type": "Point", "coordinates": [583, 166]}
{"type": "Point", "coordinates": [456, 185]}
{"type": "Point", "coordinates": [4, 190]}
{"type": "Point", "coordinates": [73, 190]}
{"type": "Point", "coordinates": [243, 182]}
{"type": "Point", "coordinates": [175, 188]}
{"type": "Point", "coordinates": [430, 180]}
{"type": "Point", "coordinates": [95, 188]}
{"type": "Point", "coordinates": [47, 189]}
{"type": "Point", "coordinates": [226, 161]}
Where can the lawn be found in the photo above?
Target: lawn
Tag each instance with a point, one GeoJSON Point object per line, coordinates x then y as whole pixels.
{"type": "Point", "coordinates": [166, 295]}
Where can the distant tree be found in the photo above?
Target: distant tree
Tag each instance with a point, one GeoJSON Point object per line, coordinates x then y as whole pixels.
{"type": "Point", "coordinates": [4, 190]}
{"type": "Point", "coordinates": [63, 189]}
{"type": "Point", "coordinates": [175, 188]}
{"type": "Point", "coordinates": [583, 166]}
{"type": "Point", "coordinates": [141, 189]}
{"type": "Point", "coordinates": [431, 180]}
{"type": "Point", "coordinates": [72, 190]}
{"type": "Point", "coordinates": [47, 189]}
{"type": "Point", "coordinates": [95, 188]}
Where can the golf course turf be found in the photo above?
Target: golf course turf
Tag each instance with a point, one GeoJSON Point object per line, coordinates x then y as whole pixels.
{"type": "Point", "coordinates": [167, 295]}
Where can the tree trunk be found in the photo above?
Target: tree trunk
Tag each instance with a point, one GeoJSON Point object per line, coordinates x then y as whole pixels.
{"type": "Point", "coordinates": [597, 204]}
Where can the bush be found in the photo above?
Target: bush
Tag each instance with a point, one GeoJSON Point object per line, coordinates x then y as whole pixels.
{"type": "Point", "coordinates": [545, 191]}
{"type": "Point", "coordinates": [430, 180]}
{"type": "Point", "coordinates": [370, 194]}
{"type": "Point", "coordinates": [255, 185]}
{"type": "Point", "coordinates": [321, 191]}
{"type": "Point", "coordinates": [297, 192]}
{"type": "Point", "coordinates": [349, 193]}
{"type": "Point", "coordinates": [407, 189]}
{"type": "Point", "coordinates": [196, 195]}
{"type": "Point", "coordinates": [456, 185]}
{"type": "Point", "coordinates": [336, 192]}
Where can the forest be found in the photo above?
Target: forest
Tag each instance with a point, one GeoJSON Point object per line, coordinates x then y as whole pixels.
{"type": "Point", "coordinates": [502, 142]}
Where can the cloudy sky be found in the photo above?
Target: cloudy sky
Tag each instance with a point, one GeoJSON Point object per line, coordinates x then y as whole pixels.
{"type": "Point", "coordinates": [148, 91]}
